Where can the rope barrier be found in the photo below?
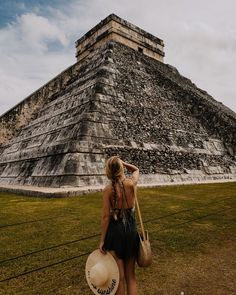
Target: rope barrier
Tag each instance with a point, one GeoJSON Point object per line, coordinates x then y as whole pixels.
{"type": "Point", "coordinates": [43, 267]}
{"type": "Point", "coordinates": [25, 222]}
{"type": "Point", "coordinates": [87, 253]}
{"type": "Point", "coordinates": [49, 248]}
{"type": "Point", "coordinates": [95, 235]}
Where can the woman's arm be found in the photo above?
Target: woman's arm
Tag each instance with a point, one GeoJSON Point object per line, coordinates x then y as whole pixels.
{"type": "Point", "coordinates": [105, 217]}
{"type": "Point", "coordinates": [134, 170]}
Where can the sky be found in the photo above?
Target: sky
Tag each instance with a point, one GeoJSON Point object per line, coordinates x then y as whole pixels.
{"type": "Point", "coordinates": [37, 40]}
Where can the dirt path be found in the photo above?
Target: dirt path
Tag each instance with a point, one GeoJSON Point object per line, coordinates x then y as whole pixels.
{"type": "Point", "coordinates": [210, 272]}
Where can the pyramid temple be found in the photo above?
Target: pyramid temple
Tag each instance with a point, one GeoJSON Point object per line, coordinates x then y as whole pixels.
{"type": "Point", "coordinates": [119, 98]}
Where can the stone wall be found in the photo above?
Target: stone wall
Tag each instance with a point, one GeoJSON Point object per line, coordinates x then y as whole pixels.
{"type": "Point", "coordinates": [58, 146]}
{"type": "Point", "coordinates": [117, 101]}
{"type": "Point", "coordinates": [167, 125]}
{"type": "Point", "coordinates": [24, 112]}
{"type": "Point", "coordinates": [114, 28]}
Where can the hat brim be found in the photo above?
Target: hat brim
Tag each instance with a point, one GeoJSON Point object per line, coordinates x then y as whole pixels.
{"type": "Point", "coordinates": [111, 285]}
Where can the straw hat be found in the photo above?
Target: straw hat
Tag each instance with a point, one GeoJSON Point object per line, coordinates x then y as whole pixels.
{"type": "Point", "coordinates": [102, 273]}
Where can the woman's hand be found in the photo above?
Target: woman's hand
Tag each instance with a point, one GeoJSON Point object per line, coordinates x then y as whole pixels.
{"type": "Point", "coordinates": [101, 247]}
{"type": "Point", "coordinates": [133, 169]}
{"type": "Point", "coordinates": [123, 163]}
{"type": "Point", "coordinates": [129, 167]}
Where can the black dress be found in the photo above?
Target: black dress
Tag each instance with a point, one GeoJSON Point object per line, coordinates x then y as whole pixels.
{"type": "Point", "coordinates": [122, 236]}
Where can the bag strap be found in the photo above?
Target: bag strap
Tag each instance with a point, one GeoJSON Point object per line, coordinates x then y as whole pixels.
{"type": "Point", "coordinates": [124, 193]}
{"type": "Point", "coordinates": [139, 213]}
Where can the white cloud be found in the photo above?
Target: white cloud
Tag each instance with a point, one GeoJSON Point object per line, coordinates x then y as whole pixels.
{"type": "Point", "coordinates": [206, 54]}
{"type": "Point", "coordinates": [38, 31]}
{"type": "Point", "coordinates": [200, 39]}
{"type": "Point", "coordinates": [30, 32]}
{"type": "Point", "coordinates": [26, 60]}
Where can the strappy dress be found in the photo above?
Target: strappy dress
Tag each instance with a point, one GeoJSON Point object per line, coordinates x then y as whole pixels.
{"type": "Point", "coordinates": [122, 236]}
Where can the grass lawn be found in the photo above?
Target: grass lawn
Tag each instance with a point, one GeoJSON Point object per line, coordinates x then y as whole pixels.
{"type": "Point", "coordinates": [44, 243]}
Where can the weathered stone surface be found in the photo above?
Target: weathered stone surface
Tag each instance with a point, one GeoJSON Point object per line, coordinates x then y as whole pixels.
{"type": "Point", "coordinates": [117, 29]}
{"type": "Point", "coordinates": [117, 101]}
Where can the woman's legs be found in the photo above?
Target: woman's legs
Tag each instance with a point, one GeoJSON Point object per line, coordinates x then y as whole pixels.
{"type": "Point", "coordinates": [120, 263]}
{"type": "Point", "coordinates": [130, 277]}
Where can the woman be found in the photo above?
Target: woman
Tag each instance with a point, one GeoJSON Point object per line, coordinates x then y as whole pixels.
{"type": "Point", "coordinates": [119, 234]}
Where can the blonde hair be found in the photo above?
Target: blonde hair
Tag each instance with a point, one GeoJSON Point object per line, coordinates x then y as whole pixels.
{"type": "Point", "coordinates": [114, 168]}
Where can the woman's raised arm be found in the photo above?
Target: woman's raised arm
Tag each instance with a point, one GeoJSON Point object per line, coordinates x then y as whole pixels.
{"type": "Point", "coordinates": [133, 169]}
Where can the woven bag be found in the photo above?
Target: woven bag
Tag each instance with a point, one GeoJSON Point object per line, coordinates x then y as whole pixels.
{"type": "Point", "coordinates": [144, 258]}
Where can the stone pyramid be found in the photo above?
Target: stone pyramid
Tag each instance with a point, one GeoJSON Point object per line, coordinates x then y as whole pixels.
{"type": "Point", "coordinates": [118, 98]}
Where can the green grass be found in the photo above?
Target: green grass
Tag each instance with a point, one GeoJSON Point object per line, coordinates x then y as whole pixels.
{"type": "Point", "coordinates": [178, 233]}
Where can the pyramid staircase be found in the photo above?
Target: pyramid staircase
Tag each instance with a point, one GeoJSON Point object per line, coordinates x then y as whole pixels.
{"type": "Point", "coordinates": [117, 101]}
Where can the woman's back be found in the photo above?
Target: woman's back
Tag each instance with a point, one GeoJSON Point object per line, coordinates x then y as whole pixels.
{"type": "Point", "coordinates": [122, 234]}
{"type": "Point", "coordinates": [124, 194]}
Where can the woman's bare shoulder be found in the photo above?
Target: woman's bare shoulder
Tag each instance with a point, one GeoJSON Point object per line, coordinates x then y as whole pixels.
{"type": "Point", "coordinates": [129, 181]}
{"type": "Point", "coordinates": [107, 189]}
